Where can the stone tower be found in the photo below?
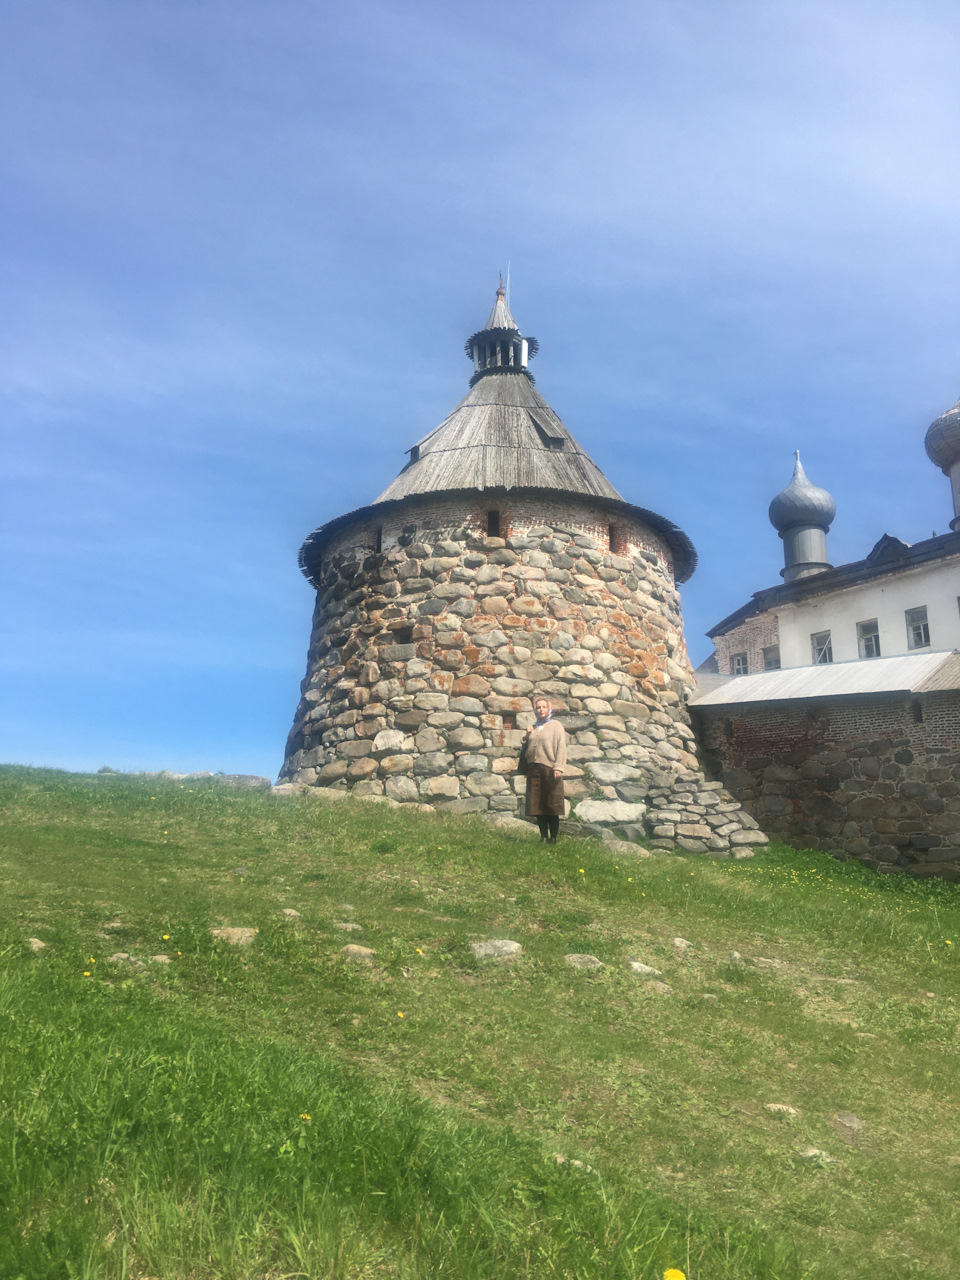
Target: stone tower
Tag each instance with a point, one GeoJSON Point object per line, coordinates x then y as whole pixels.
{"type": "Point", "coordinates": [501, 562]}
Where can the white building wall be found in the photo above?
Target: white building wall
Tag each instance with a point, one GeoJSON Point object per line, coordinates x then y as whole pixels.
{"type": "Point", "coordinates": [937, 586]}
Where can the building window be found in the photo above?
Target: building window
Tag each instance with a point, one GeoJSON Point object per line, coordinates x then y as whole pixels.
{"type": "Point", "coordinates": [379, 542]}
{"type": "Point", "coordinates": [771, 658]}
{"type": "Point", "coordinates": [493, 524]}
{"type": "Point", "coordinates": [918, 630]}
{"type": "Point", "coordinates": [612, 537]}
{"type": "Point", "coordinates": [738, 664]}
{"type": "Point", "coordinates": [821, 647]}
{"type": "Point", "coordinates": [868, 639]}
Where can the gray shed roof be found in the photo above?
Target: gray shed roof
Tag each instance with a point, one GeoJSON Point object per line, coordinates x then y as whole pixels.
{"type": "Point", "coordinates": [502, 435]}
{"type": "Point", "coordinates": [907, 673]}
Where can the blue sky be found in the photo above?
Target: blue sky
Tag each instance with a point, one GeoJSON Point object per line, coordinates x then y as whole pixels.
{"type": "Point", "coordinates": [243, 245]}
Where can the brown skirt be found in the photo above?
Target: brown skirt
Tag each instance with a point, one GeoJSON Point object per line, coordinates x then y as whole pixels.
{"type": "Point", "coordinates": [544, 793]}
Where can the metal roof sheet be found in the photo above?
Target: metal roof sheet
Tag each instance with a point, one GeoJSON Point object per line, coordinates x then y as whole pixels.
{"type": "Point", "coordinates": [907, 673]}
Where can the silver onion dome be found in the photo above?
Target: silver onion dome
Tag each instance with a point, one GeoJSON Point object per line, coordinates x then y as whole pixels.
{"type": "Point", "coordinates": [802, 503]}
{"type": "Point", "coordinates": [942, 440]}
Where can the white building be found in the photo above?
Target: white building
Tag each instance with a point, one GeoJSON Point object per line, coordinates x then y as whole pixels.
{"type": "Point", "coordinates": [899, 599]}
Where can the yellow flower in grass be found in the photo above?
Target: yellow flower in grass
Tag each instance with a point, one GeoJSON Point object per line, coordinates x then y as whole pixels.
{"type": "Point", "coordinates": [86, 973]}
{"type": "Point", "coordinates": [672, 1273]}
{"type": "Point", "coordinates": [399, 1014]}
{"type": "Point", "coordinates": [304, 1117]}
{"type": "Point", "coordinates": [166, 937]}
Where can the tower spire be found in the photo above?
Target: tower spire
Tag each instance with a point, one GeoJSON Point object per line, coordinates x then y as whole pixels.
{"type": "Point", "coordinates": [802, 515]}
{"type": "Point", "coordinates": [500, 347]}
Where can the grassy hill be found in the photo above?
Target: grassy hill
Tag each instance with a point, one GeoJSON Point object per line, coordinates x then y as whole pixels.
{"type": "Point", "coordinates": [278, 1110]}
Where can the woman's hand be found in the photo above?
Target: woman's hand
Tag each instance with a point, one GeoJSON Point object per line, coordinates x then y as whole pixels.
{"type": "Point", "coordinates": [558, 773]}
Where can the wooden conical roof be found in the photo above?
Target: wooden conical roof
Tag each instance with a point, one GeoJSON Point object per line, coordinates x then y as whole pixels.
{"type": "Point", "coordinates": [502, 435]}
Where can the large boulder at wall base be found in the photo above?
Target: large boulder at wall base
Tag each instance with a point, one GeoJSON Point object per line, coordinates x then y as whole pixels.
{"type": "Point", "coordinates": [608, 812]}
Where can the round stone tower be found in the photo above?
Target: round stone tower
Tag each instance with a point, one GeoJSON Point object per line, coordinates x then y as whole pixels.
{"type": "Point", "coordinates": [501, 562]}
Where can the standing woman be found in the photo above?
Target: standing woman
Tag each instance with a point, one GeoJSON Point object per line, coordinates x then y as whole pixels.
{"type": "Point", "coordinates": [544, 756]}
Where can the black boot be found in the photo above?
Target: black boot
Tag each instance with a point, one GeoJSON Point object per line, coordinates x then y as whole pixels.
{"type": "Point", "coordinates": [553, 825]}
{"type": "Point", "coordinates": [543, 824]}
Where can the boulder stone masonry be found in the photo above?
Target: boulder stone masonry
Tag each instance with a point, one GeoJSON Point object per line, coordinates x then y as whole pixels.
{"type": "Point", "coordinates": [424, 657]}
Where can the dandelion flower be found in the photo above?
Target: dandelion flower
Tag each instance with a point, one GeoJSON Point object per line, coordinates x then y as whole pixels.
{"type": "Point", "coordinates": [948, 942]}
{"type": "Point", "coordinates": [673, 1273]}
{"type": "Point", "coordinates": [86, 973]}
{"type": "Point", "coordinates": [399, 1014]}
{"type": "Point", "coordinates": [581, 871]}
{"type": "Point", "coordinates": [166, 937]}
{"type": "Point", "coordinates": [629, 879]}
{"type": "Point", "coordinates": [304, 1117]}
{"type": "Point", "coordinates": [419, 951]}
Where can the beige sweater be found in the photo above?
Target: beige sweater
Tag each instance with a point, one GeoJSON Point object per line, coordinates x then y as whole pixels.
{"type": "Point", "coordinates": [547, 744]}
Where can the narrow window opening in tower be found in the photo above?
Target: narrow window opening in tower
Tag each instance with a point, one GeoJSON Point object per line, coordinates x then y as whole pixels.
{"type": "Point", "coordinates": [509, 720]}
{"type": "Point", "coordinates": [404, 635]}
{"type": "Point", "coordinates": [493, 524]}
{"type": "Point", "coordinates": [378, 546]}
{"type": "Point", "coordinates": [917, 709]}
{"type": "Point", "coordinates": [511, 349]}
{"type": "Point", "coordinates": [612, 537]}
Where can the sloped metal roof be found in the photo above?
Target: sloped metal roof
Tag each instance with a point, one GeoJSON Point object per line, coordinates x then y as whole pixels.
{"type": "Point", "coordinates": [907, 673]}
{"type": "Point", "coordinates": [502, 435]}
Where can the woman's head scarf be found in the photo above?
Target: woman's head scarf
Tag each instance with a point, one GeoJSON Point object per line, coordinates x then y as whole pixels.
{"type": "Point", "coordinates": [539, 697]}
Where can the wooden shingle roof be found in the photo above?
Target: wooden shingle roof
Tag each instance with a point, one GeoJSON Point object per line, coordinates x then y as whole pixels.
{"type": "Point", "coordinates": [502, 438]}
{"type": "Point", "coordinates": [502, 435]}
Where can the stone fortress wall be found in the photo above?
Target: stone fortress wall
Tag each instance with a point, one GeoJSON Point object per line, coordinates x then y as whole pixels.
{"type": "Point", "coordinates": [871, 777]}
{"type": "Point", "coordinates": [424, 656]}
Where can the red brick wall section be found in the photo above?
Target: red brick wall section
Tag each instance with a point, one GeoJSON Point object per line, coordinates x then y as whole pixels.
{"type": "Point", "coordinates": [424, 657]}
{"type": "Point", "coordinates": [874, 778]}
{"type": "Point", "coordinates": [751, 638]}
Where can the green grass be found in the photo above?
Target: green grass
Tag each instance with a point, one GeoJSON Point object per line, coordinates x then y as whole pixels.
{"type": "Point", "coordinates": [266, 1112]}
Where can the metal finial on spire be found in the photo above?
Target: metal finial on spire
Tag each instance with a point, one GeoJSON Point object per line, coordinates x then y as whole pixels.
{"type": "Point", "coordinates": [501, 292]}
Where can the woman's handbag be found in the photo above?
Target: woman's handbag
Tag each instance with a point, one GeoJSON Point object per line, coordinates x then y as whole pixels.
{"type": "Point", "coordinates": [523, 765]}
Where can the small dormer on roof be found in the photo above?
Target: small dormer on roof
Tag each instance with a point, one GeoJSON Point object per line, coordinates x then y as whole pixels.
{"type": "Point", "coordinates": [500, 347]}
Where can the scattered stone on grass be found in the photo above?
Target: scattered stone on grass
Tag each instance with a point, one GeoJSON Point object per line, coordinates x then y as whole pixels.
{"type": "Point", "coordinates": [345, 906]}
{"type": "Point", "coordinates": [643, 970]}
{"type": "Point", "coordinates": [36, 945]}
{"type": "Point", "coordinates": [682, 944]}
{"type": "Point", "coordinates": [851, 1126]}
{"type": "Point", "coordinates": [708, 995]}
{"type": "Point", "coordinates": [124, 957]}
{"type": "Point", "coordinates": [240, 871]}
{"type": "Point", "coordinates": [237, 936]}
{"type": "Point", "coordinates": [743, 853]}
{"type": "Point", "coordinates": [348, 926]}
{"type": "Point", "coordinates": [160, 959]}
{"type": "Point", "coordinates": [574, 1164]}
{"type": "Point", "coordinates": [626, 849]}
{"type": "Point", "coordinates": [580, 960]}
{"type": "Point", "coordinates": [662, 988]}
{"type": "Point", "coordinates": [780, 1109]}
{"type": "Point", "coordinates": [290, 913]}
{"type": "Point", "coordinates": [509, 822]}
{"type": "Point", "coordinates": [114, 924]}
{"type": "Point", "coordinates": [814, 1153]}
{"type": "Point", "coordinates": [496, 949]}
{"type": "Point", "coordinates": [363, 955]}
{"type": "Point", "coordinates": [734, 958]}
{"type": "Point", "coordinates": [764, 963]}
